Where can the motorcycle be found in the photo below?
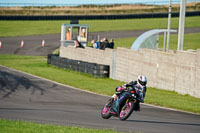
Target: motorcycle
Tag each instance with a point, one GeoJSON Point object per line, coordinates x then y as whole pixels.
{"type": "Point", "coordinates": [129, 101]}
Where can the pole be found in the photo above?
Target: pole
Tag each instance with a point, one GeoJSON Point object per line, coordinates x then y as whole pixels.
{"type": "Point", "coordinates": [169, 24]}
{"type": "Point", "coordinates": [181, 25]}
{"type": "Point", "coordinates": [63, 34]}
{"type": "Point", "coordinates": [164, 47]}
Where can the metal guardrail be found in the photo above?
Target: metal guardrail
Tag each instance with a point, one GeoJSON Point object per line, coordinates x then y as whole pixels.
{"type": "Point", "coordinates": [96, 17]}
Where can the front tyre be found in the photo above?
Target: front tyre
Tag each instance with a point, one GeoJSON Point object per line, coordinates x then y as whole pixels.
{"type": "Point", "coordinates": [126, 111]}
{"type": "Point", "coordinates": [105, 112]}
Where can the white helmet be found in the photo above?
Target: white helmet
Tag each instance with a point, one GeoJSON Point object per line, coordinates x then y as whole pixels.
{"type": "Point", "coordinates": [142, 80]}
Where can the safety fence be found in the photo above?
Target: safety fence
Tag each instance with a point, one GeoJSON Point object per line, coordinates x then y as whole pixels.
{"type": "Point", "coordinates": [96, 17]}
{"type": "Point", "coordinates": [97, 70]}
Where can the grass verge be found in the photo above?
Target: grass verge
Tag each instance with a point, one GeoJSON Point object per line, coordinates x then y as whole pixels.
{"type": "Point", "coordinates": [24, 28]}
{"type": "Point", "coordinates": [191, 41]}
{"type": "Point", "coordinates": [38, 66]}
{"type": "Point", "coordinates": [7, 126]}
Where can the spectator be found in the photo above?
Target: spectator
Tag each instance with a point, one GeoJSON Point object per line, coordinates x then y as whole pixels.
{"type": "Point", "coordinates": [111, 44]}
{"type": "Point", "coordinates": [104, 43]}
{"type": "Point", "coordinates": [77, 44]}
{"type": "Point", "coordinates": [95, 44]}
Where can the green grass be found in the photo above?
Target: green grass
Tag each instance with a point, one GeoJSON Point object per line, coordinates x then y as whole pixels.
{"type": "Point", "coordinates": [124, 42]}
{"type": "Point", "coordinates": [23, 28]}
{"type": "Point", "coordinates": [38, 66]}
{"type": "Point", "coordinates": [7, 126]}
{"type": "Point", "coordinates": [173, 100]}
{"type": "Point", "coordinates": [191, 41]}
{"type": "Point", "coordinates": [139, 24]}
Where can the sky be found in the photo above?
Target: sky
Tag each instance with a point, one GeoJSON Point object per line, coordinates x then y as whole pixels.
{"type": "Point", "coordinates": [79, 2]}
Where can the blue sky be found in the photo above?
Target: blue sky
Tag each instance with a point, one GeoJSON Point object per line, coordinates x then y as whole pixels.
{"type": "Point", "coordinates": [75, 2]}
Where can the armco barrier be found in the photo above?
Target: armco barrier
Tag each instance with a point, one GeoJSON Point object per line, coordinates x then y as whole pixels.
{"type": "Point", "coordinates": [97, 70]}
{"type": "Point", "coordinates": [97, 17]}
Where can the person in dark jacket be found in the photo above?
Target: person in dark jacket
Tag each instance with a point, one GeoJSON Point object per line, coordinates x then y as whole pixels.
{"type": "Point", "coordinates": [140, 84]}
{"type": "Point", "coordinates": [104, 43]}
{"type": "Point", "coordinates": [77, 44]}
{"type": "Point", "coordinates": [111, 44]}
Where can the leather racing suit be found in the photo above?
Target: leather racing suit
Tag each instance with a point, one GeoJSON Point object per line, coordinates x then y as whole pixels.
{"type": "Point", "coordinates": [120, 89]}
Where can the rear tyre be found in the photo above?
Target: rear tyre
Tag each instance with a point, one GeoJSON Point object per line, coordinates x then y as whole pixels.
{"type": "Point", "coordinates": [126, 111]}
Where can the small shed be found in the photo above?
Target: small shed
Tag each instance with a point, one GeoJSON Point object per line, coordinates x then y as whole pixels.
{"type": "Point", "coordinates": [74, 31]}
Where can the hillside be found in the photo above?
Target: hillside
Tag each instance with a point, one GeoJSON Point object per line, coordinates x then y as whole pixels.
{"type": "Point", "coordinates": [95, 9]}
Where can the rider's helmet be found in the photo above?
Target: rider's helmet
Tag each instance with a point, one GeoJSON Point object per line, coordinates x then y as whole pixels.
{"type": "Point", "coordinates": [142, 80]}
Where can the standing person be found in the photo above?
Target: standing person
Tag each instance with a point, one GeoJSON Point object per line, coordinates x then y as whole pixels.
{"type": "Point", "coordinates": [68, 35]}
{"type": "Point", "coordinates": [103, 43]}
{"type": "Point", "coordinates": [95, 44]}
{"type": "Point", "coordinates": [139, 84]}
{"type": "Point", "coordinates": [111, 44]}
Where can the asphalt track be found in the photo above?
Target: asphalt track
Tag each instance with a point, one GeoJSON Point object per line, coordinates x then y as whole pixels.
{"type": "Point", "coordinates": [29, 98]}
{"type": "Point", "coordinates": [33, 44]}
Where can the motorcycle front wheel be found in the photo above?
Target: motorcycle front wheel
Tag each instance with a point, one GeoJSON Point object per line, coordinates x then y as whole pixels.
{"type": "Point", "coordinates": [105, 112]}
{"type": "Point", "coordinates": [126, 110]}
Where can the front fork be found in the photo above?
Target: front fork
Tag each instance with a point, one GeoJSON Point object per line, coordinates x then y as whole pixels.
{"type": "Point", "coordinates": [127, 101]}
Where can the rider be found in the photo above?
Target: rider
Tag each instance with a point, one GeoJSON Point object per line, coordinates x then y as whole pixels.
{"type": "Point", "coordinates": [140, 84]}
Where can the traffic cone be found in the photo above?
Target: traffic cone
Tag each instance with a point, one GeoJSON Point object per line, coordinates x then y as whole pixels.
{"type": "Point", "coordinates": [43, 43]}
{"type": "Point", "coordinates": [0, 44]}
{"type": "Point", "coordinates": [22, 43]}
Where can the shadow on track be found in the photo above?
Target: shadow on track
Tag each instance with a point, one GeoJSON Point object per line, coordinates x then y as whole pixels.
{"type": "Point", "coordinates": [36, 109]}
{"type": "Point", "coordinates": [162, 122]}
{"type": "Point", "coordinates": [9, 83]}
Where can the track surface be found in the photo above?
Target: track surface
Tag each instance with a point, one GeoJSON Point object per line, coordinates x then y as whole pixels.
{"type": "Point", "coordinates": [25, 97]}
{"type": "Point", "coordinates": [32, 44]}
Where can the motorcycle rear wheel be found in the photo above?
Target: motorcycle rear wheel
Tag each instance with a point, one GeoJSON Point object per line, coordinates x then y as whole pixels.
{"type": "Point", "coordinates": [126, 111]}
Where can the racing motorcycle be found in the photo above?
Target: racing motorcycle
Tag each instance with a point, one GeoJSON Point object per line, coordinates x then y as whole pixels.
{"type": "Point", "coordinates": [129, 101]}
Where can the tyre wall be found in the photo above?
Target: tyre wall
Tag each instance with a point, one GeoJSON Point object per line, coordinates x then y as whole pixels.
{"type": "Point", "coordinates": [97, 70]}
{"type": "Point", "coordinates": [88, 54]}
